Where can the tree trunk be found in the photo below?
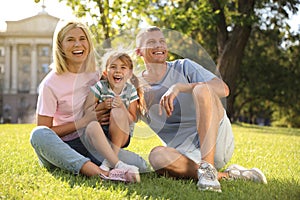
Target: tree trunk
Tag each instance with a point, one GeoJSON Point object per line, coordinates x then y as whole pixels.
{"type": "Point", "coordinates": [229, 62]}
{"type": "Point", "coordinates": [231, 46]}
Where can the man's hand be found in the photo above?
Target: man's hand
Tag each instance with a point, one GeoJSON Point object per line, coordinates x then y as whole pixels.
{"type": "Point", "coordinates": [167, 100]}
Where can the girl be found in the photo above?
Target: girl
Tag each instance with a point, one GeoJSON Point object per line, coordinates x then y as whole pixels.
{"type": "Point", "coordinates": [122, 99]}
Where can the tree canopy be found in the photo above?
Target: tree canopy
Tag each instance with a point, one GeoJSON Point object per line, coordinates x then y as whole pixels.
{"type": "Point", "coordinates": [249, 40]}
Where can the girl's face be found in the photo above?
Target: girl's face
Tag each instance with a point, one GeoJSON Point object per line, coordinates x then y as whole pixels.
{"type": "Point", "coordinates": [76, 48]}
{"type": "Point", "coordinates": [117, 73]}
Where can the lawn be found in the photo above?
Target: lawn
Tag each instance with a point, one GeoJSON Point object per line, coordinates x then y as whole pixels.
{"type": "Point", "coordinates": [276, 151]}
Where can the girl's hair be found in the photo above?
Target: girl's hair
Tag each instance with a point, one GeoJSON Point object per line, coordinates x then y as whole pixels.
{"type": "Point", "coordinates": [59, 58]}
{"type": "Point", "coordinates": [110, 57]}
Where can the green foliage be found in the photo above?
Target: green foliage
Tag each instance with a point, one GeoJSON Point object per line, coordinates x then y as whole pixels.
{"type": "Point", "coordinates": [262, 76]}
{"type": "Point", "coordinates": [274, 150]}
{"type": "Point", "coordinates": [267, 85]}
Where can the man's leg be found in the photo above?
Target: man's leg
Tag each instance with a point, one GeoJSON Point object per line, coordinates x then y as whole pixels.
{"type": "Point", "coordinates": [209, 112]}
{"type": "Point", "coordinates": [168, 161]}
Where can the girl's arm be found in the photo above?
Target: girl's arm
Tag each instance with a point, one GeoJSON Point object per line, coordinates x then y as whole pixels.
{"type": "Point", "coordinates": [132, 111]}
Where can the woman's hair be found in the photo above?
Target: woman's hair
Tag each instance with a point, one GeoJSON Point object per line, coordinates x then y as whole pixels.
{"type": "Point", "coordinates": [109, 58]}
{"type": "Point", "coordinates": [59, 58]}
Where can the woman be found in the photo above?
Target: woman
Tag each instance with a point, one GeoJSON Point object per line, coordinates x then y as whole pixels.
{"type": "Point", "coordinates": [59, 139]}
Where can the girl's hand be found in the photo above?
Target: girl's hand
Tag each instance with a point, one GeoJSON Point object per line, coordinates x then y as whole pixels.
{"type": "Point", "coordinates": [117, 102]}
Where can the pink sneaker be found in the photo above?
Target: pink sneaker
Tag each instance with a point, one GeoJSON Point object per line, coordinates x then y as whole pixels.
{"type": "Point", "coordinates": [133, 174]}
{"type": "Point", "coordinates": [119, 175]}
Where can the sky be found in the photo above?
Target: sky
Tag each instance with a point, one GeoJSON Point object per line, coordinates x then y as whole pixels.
{"type": "Point", "coordinates": [13, 10]}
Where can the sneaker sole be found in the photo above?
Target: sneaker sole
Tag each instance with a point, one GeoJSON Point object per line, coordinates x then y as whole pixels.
{"type": "Point", "coordinates": [260, 174]}
{"type": "Point", "coordinates": [257, 172]}
{"type": "Point", "coordinates": [209, 188]}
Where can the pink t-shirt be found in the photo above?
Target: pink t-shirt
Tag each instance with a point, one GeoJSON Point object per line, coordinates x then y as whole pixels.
{"type": "Point", "coordinates": [62, 97]}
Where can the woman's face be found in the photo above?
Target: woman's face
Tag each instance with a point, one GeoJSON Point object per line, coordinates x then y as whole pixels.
{"type": "Point", "coordinates": [76, 48]}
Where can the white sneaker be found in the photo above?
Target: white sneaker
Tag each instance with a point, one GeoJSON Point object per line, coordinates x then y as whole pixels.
{"type": "Point", "coordinates": [208, 178]}
{"type": "Point", "coordinates": [105, 165]}
{"type": "Point", "coordinates": [238, 172]}
{"type": "Point", "coordinates": [133, 171]}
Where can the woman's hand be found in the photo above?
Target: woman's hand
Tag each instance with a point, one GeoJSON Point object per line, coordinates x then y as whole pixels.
{"type": "Point", "coordinates": [102, 112]}
{"type": "Point", "coordinates": [108, 103]}
{"type": "Point", "coordinates": [89, 115]}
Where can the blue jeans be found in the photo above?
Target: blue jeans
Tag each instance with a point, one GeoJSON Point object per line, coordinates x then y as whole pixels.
{"type": "Point", "coordinates": [71, 155]}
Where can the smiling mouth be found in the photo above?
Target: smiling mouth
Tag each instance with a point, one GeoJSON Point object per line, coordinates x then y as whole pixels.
{"type": "Point", "coordinates": [77, 52]}
{"type": "Point", "coordinates": [159, 53]}
{"type": "Point", "coordinates": [118, 79]}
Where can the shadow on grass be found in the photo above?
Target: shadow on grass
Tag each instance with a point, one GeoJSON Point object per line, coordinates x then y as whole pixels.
{"type": "Point", "coordinates": [269, 129]}
{"type": "Point", "coordinates": [153, 186]}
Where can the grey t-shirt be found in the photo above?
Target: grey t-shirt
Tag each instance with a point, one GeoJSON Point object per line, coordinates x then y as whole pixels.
{"type": "Point", "coordinates": [181, 125]}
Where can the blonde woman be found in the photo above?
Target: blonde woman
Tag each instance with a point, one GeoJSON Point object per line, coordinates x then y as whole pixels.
{"type": "Point", "coordinates": [59, 139]}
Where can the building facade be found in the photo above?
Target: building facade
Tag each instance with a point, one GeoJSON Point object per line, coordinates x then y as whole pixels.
{"type": "Point", "coordinates": [25, 56]}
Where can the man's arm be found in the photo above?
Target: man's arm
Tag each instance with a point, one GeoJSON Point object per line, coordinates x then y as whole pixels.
{"type": "Point", "coordinates": [215, 85]}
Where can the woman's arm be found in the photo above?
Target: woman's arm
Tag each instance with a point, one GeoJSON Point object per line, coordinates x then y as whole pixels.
{"type": "Point", "coordinates": [64, 129]}
{"type": "Point", "coordinates": [67, 128]}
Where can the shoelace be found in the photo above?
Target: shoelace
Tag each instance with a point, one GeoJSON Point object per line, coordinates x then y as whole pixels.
{"type": "Point", "coordinates": [208, 172]}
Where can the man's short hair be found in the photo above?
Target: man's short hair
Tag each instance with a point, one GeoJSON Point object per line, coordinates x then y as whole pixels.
{"type": "Point", "coordinates": [142, 32]}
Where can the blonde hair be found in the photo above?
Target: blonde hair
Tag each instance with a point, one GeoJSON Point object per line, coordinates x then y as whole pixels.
{"type": "Point", "coordinates": [109, 58]}
{"type": "Point", "coordinates": [60, 63]}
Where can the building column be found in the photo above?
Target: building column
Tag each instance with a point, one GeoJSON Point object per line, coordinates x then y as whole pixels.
{"type": "Point", "coordinates": [14, 77]}
{"type": "Point", "coordinates": [7, 70]}
{"type": "Point", "coordinates": [33, 69]}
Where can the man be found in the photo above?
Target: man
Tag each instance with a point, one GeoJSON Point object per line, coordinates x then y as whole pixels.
{"type": "Point", "coordinates": [185, 110]}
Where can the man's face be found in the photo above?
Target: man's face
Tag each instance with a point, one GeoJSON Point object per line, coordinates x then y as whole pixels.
{"type": "Point", "coordinates": [153, 47]}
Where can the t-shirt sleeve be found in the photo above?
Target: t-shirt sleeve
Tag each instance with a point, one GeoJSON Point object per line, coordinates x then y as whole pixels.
{"type": "Point", "coordinates": [96, 90]}
{"type": "Point", "coordinates": [195, 72]}
{"type": "Point", "coordinates": [47, 102]}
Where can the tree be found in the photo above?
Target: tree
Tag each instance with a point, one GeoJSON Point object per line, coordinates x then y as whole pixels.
{"type": "Point", "coordinates": [222, 27]}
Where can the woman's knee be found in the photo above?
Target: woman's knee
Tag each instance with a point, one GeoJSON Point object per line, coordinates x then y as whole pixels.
{"type": "Point", "coordinates": [38, 134]}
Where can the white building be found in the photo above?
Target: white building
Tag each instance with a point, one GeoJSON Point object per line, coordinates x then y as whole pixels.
{"type": "Point", "coordinates": [25, 55]}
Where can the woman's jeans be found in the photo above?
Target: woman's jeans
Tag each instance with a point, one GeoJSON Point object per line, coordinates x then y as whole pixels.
{"type": "Point", "coordinates": [71, 155]}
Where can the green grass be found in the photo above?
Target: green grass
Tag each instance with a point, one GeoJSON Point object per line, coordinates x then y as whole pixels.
{"type": "Point", "coordinates": [276, 151]}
